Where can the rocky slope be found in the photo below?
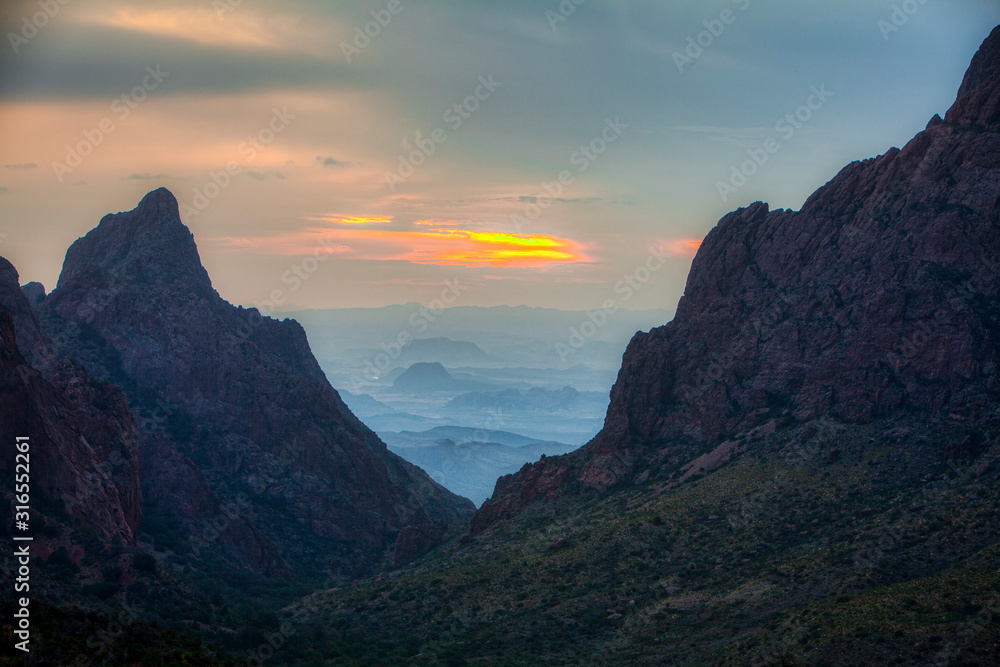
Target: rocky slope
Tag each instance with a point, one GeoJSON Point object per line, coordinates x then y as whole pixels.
{"type": "Point", "coordinates": [83, 458]}
{"type": "Point", "coordinates": [878, 296]}
{"type": "Point", "coordinates": [244, 441]}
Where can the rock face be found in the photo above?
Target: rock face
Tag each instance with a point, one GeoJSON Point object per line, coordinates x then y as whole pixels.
{"type": "Point", "coordinates": [83, 457]}
{"type": "Point", "coordinates": [880, 295]}
{"type": "Point", "coordinates": [245, 442]}
{"type": "Point", "coordinates": [425, 377]}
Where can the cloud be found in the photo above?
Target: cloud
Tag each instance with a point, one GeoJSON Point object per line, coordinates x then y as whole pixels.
{"type": "Point", "coordinates": [442, 247]}
{"type": "Point", "coordinates": [743, 137]}
{"type": "Point", "coordinates": [461, 247]}
{"type": "Point", "coordinates": [533, 199]}
{"type": "Point", "coordinates": [265, 175]}
{"type": "Point", "coordinates": [355, 220]}
{"type": "Point", "coordinates": [145, 176]}
{"type": "Point", "coordinates": [310, 241]}
{"type": "Point", "coordinates": [24, 165]}
{"type": "Point", "coordinates": [681, 247]}
{"type": "Point", "coordinates": [244, 29]}
{"type": "Point", "coordinates": [331, 161]}
{"type": "Point", "coordinates": [3, 190]}
{"type": "Point", "coordinates": [104, 63]}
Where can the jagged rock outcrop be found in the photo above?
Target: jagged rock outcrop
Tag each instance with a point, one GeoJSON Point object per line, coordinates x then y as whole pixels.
{"type": "Point", "coordinates": [235, 410]}
{"type": "Point", "coordinates": [83, 457]}
{"type": "Point", "coordinates": [880, 295]}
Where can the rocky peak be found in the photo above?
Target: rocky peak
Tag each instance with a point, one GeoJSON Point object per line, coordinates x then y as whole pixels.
{"type": "Point", "coordinates": [230, 399]}
{"type": "Point", "coordinates": [148, 244]}
{"type": "Point", "coordinates": [978, 101]}
{"type": "Point", "coordinates": [879, 297]}
{"type": "Point", "coordinates": [87, 458]}
{"type": "Point", "coordinates": [31, 342]}
{"type": "Point", "coordinates": [34, 292]}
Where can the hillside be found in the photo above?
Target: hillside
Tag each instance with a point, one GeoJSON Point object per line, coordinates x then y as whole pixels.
{"type": "Point", "coordinates": [234, 411]}
{"type": "Point", "coordinates": [800, 468]}
{"type": "Point", "coordinates": [877, 298]}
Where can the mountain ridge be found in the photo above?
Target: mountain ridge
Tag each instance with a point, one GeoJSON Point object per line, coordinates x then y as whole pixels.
{"type": "Point", "coordinates": [873, 298]}
{"type": "Point", "coordinates": [232, 403]}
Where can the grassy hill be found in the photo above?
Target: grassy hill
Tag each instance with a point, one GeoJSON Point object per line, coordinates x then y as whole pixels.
{"type": "Point", "coordinates": [825, 544]}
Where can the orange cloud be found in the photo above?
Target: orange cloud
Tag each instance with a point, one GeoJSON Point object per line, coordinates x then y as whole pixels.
{"type": "Point", "coordinates": [244, 29]}
{"type": "Point", "coordinates": [683, 247]}
{"type": "Point", "coordinates": [468, 248]}
{"type": "Point", "coordinates": [444, 247]}
{"type": "Point", "coordinates": [354, 220]}
{"type": "Point", "coordinates": [312, 241]}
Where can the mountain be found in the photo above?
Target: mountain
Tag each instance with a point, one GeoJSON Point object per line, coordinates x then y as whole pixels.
{"type": "Point", "coordinates": [357, 344]}
{"type": "Point", "coordinates": [470, 468]}
{"type": "Point", "coordinates": [800, 469]}
{"type": "Point", "coordinates": [246, 447]}
{"type": "Point", "coordinates": [364, 405]}
{"type": "Point", "coordinates": [468, 461]}
{"type": "Point", "coordinates": [430, 377]}
{"type": "Point", "coordinates": [460, 434]}
{"type": "Point", "coordinates": [443, 350]}
{"type": "Point", "coordinates": [537, 399]}
{"type": "Point", "coordinates": [82, 460]}
{"type": "Point", "coordinates": [877, 297]}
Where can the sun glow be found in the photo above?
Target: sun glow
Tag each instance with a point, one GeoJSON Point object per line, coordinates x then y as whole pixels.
{"type": "Point", "coordinates": [355, 220]}
{"type": "Point", "coordinates": [470, 248]}
{"type": "Point", "coordinates": [443, 247]}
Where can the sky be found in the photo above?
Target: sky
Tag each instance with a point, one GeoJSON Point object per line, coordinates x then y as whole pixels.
{"type": "Point", "coordinates": [540, 153]}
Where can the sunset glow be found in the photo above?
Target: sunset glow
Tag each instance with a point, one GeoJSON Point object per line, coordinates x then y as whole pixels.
{"type": "Point", "coordinates": [203, 25]}
{"type": "Point", "coordinates": [468, 248]}
{"type": "Point", "coordinates": [520, 183]}
{"type": "Point", "coordinates": [355, 220]}
{"type": "Point", "coordinates": [683, 247]}
{"type": "Point", "coordinates": [442, 247]}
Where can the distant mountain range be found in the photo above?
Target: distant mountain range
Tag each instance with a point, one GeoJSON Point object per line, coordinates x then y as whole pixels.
{"type": "Point", "coordinates": [357, 344]}
{"type": "Point", "coordinates": [875, 299]}
{"type": "Point", "coordinates": [800, 468]}
{"type": "Point", "coordinates": [468, 461]}
{"type": "Point", "coordinates": [433, 377]}
{"type": "Point", "coordinates": [535, 400]}
{"type": "Point", "coordinates": [232, 411]}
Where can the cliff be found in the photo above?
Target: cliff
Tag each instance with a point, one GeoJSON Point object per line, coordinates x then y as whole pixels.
{"type": "Point", "coordinates": [245, 441]}
{"type": "Point", "coordinates": [878, 296]}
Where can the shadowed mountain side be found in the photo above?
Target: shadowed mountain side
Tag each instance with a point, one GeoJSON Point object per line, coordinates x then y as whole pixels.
{"type": "Point", "coordinates": [237, 398]}
{"type": "Point", "coordinates": [82, 456]}
{"type": "Point", "coordinates": [423, 378]}
{"type": "Point", "coordinates": [879, 296]}
{"type": "Point", "coordinates": [468, 461]}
